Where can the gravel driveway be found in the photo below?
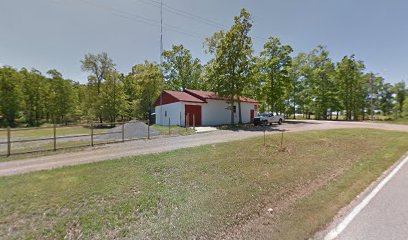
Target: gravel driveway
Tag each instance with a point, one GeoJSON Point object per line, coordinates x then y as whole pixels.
{"type": "Point", "coordinates": [162, 144]}
{"type": "Point", "coordinates": [133, 129]}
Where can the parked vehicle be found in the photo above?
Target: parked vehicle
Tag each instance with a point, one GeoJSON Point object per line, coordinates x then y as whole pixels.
{"type": "Point", "coordinates": [268, 118]}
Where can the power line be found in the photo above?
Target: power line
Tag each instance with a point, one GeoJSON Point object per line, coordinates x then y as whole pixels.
{"type": "Point", "coordinates": [152, 22]}
{"type": "Point", "coordinates": [188, 15]}
{"type": "Point", "coordinates": [184, 14]}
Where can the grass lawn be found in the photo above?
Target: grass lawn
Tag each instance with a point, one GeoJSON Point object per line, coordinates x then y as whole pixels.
{"type": "Point", "coordinates": [46, 132]}
{"type": "Point", "coordinates": [395, 121]}
{"type": "Point", "coordinates": [174, 130]}
{"type": "Point", "coordinates": [212, 191]}
{"type": "Point", "coordinates": [46, 149]}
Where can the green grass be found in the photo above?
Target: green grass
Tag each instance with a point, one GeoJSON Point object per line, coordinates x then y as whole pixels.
{"type": "Point", "coordinates": [203, 192]}
{"type": "Point", "coordinates": [174, 130]}
{"type": "Point", "coordinates": [403, 121]}
{"type": "Point", "coordinates": [46, 149]}
{"type": "Point", "coordinates": [46, 132]}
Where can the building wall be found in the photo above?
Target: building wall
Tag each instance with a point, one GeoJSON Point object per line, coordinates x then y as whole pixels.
{"type": "Point", "coordinates": [215, 112]}
{"type": "Point", "coordinates": [172, 111]}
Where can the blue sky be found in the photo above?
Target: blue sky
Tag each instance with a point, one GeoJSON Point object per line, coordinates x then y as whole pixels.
{"type": "Point", "coordinates": [48, 34]}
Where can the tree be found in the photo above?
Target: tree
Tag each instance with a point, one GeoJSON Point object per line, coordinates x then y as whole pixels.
{"type": "Point", "coordinates": [228, 73]}
{"type": "Point", "coordinates": [385, 97]}
{"type": "Point", "coordinates": [296, 76]}
{"type": "Point", "coordinates": [113, 98]}
{"type": "Point", "coordinates": [148, 82]}
{"type": "Point", "coordinates": [181, 69]}
{"type": "Point", "coordinates": [353, 87]}
{"type": "Point", "coordinates": [319, 80]}
{"type": "Point", "coordinates": [274, 64]}
{"type": "Point", "coordinates": [405, 108]}
{"type": "Point", "coordinates": [99, 66]}
{"type": "Point", "coordinates": [62, 97]}
{"type": "Point", "coordinates": [34, 87]}
{"type": "Point", "coordinates": [11, 99]}
{"type": "Point", "coordinates": [400, 92]}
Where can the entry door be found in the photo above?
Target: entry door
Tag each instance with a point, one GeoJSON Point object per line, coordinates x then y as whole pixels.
{"type": "Point", "coordinates": [193, 113]}
{"type": "Point", "coordinates": [252, 115]}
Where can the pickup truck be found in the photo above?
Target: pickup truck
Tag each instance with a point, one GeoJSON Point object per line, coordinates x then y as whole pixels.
{"type": "Point", "coordinates": [268, 118]}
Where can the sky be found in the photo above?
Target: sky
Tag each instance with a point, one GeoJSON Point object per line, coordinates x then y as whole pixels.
{"type": "Point", "coordinates": [56, 34]}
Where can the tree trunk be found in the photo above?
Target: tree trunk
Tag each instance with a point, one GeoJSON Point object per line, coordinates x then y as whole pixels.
{"type": "Point", "coordinates": [232, 111]}
{"type": "Point", "coordinates": [239, 109]}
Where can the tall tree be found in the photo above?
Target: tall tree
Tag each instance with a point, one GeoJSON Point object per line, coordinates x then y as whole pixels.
{"type": "Point", "coordinates": [228, 73]}
{"type": "Point", "coordinates": [62, 97]}
{"type": "Point", "coordinates": [385, 96]}
{"type": "Point", "coordinates": [98, 65]}
{"type": "Point", "coordinates": [400, 92]}
{"type": "Point", "coordinates": [353, 87]}
{"type": "Point", "coordinates": [405, 108]}
{"type": "Point", "coordinates": [296, 76]}
{"type": "Point", "coordinates": [148, 82]}
{"type": "Point", "coordinates": [34, 87]}
{"type": "Point", "coordinates": [181, 69]}
{"type": "Point", "coordinates": [319, 79]}
{"type": "Point", "coordinates": [274, 64]}
{"type": "Point", "coordinates": [11, 99]}
{"type": "Point", "coordinates": [113, 99]}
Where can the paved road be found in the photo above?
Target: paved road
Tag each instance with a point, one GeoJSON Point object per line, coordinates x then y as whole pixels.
{"type": "Point", "coordinates": [381, 214]}
{"type": "Point", "coordinates": [162, 144]}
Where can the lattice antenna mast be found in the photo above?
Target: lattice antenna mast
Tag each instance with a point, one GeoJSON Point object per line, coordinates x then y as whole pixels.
{"type": "Point", "coordinates": [161, 32]}
{"type": "Point", "coordinates": [161, 57]}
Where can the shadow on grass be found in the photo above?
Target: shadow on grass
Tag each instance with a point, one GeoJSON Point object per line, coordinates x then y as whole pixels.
{"type": "Point", "coordinates": [261, 128]}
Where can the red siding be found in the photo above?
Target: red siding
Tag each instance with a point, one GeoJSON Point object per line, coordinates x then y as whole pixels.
{"type": "Point", "coordinates": [193, 110]}
{"type": "Point", "coordinates": [166, 98]}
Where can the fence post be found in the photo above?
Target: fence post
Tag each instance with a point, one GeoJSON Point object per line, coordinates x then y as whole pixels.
{"type": "Point", "coordinates": [281, 143]}
{"type": "Point", "coordinates": [8, 141]}
{"type": "Point", "coordinates": [55, 137]}
{"type": "Point", "coordinates": [123, 132]}
{"type": "Point", "coordinates": [187, 121]}
{"type": "Point", "coordinates": [264, 134]}
{"type": "Point", "coordinates": [169, 127]}
{"type": "Point", "coordinates": [148, 128]}
{"type": "Point", "coordinates": [194, 121]}
{"type": "Point", "coordinates": [92, 134]}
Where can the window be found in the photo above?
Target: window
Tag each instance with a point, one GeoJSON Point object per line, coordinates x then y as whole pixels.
{"type": "Point", "coordinates": [235, 109]}
{"type": "Point", "coordinates": [165, 113]}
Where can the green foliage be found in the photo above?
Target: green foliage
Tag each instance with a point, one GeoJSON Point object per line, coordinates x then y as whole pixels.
{"type": "Point", "coordinates": [143, 85]}
{"type": "Point", "coordinates": [112, 97]}
{"type": "Point", "coordinates": [181, 69]}
{"type": "Point", "coordinates": [400, 92]}
{"type": "Point", "coordinates": [308, 83]}
{"type": "Point", "coordinates": [320, 82]}
{"type": "Point", "coordinates": [99, 66]}
{"type": "Point", "coordinates": [11, 99]}
{"type": "Point", "coordinates": [35, 89]}
{"type": "Point", "coordinates": [352, 86]}
{"type": "Point", "coordinates": [62, 97]}
{"type": "Point", "coordinates": [274, 64]}
{"type": "Point", "coordinates": [228, 73]}
{"type": "Point", "coordinates": [405, 108]}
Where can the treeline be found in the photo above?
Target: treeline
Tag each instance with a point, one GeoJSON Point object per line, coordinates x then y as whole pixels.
{"type": "Point", "coordinates": [310, 83]}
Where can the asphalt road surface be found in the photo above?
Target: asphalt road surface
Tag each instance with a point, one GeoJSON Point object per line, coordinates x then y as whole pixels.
{"type": "Point", "coordinates": [162, 144]}
{"type": "Point", "coordinates": [381, 214]}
